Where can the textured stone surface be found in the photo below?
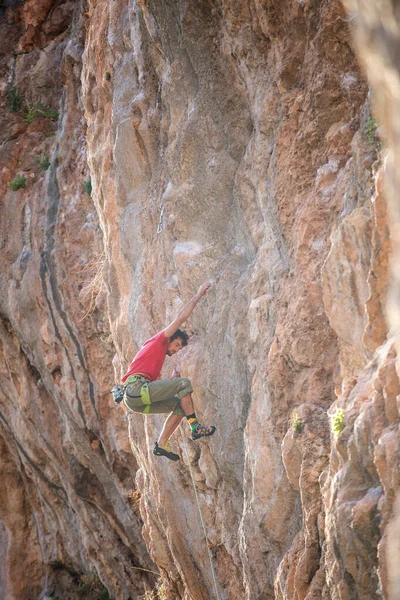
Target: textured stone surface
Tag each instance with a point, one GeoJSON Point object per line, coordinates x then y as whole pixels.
{"type": "Point", "coordinates": [66, 465]}
{"type": "Point", "coordinates": [376, 31]}
{"type": "Point", "coordinates": [224, 141]}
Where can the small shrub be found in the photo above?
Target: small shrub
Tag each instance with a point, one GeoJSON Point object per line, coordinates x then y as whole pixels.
{"type": "Point", "coordinates": [38, 109]}
{"type": "Point", "coordinates": [88, 187]}
{"type": "Point", "coordinates": [337, 422]}
{"type": "Point", "coordinates": [43, 162]}
{"type": "Point", "coordinates": [297, 425]}
{"type": "Point", "coordinates": [14, 99]}
{"type": "Point", "coordinates": [18, 183]}
{"type": "Point", "coordinates": [30, 113]}
{"type": "Point", "coordinates": [370, 130]}
{"type": "Point", "coordinates": [90, 588]}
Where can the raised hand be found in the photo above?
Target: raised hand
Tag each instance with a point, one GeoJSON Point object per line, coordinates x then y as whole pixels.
{"type": "Point", "coordinates": [203, 288]}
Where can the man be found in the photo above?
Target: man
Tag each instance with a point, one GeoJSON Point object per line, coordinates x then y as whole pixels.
{"type": "Point", "coordinates": [145, 393]}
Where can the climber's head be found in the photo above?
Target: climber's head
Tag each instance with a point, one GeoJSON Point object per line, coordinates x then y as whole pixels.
{"type": "Point", "coordinates": [177, 341]}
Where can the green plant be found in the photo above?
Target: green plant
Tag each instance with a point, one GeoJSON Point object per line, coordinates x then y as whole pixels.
{"type": "Point", "coordinates": [30, 113]}
{"type": "Point", "coordinates": [370, 130]}
{"type": "Point", "coordinates": [297, 425]}
{"type": "Point", "coordinates": [90, 588]}
{"type": "Point", "coordinates": [38, 109]}
{"type": "Point", "coordinates": [18, 183]}
{"type": "Point", "coordinates": [14, 99]}
{"type": "Point", "coordinates": [43, 162]}
{"type": "Point", "coordinates": [337, 422]}
{"type": "Point", "coordinates": [87, 185]}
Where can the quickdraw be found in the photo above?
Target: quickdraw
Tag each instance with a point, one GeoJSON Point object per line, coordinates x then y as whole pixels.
{"type": "Point", "coordinates": [118, 392]}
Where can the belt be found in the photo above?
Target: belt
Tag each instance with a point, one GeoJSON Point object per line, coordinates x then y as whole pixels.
{"type": "Point", "coordinates": [133, 378]}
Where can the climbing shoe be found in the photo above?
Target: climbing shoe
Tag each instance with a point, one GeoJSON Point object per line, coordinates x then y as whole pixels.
{"type": "Point", "coordinates": [202, 431]}
{"type": "Point", "coordinates": [165, 450]}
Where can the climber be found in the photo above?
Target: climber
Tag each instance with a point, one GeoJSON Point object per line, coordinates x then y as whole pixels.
{"type": "Point", "coordinates": [145, 393]}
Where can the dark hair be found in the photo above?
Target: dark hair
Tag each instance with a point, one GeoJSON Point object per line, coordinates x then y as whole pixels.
{"type": "Point", "coordinates": [179, 333]}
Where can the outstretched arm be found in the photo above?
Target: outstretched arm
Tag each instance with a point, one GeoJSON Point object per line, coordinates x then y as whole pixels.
{"type": "Point", "coordinates": [186, 310]}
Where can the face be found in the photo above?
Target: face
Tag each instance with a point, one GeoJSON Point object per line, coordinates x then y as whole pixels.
{"type": "Point", "coordinates": [175, 346]}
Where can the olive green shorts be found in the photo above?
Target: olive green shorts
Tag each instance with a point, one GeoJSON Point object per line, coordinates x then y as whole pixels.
{"type": "Point", "coordinates": [155, 397]}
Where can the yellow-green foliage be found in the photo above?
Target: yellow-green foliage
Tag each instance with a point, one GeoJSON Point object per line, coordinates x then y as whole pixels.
{"type": "Point", "coordinates": [43, 162]}
{"type": "Point", "coordinates": [87, 186]}
{"type": "Point", "coordinates": [34, 111]}
{"type": "Point", "coordinates": [18, 183]}
{"type": "Point", "coordinates": [370, 130]}
{"type": "Point", "coordinates": [297, 425]}
{"type": "Point", "coordinates": [14, 99]}
{"type": "Point", "coordinates": [337, 422]}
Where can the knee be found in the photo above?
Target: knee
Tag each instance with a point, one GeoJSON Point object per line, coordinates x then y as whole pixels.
{"type": "Point", "coordinates": [186, 384]}
{"type": "Point", "coordinates": [185, 387]}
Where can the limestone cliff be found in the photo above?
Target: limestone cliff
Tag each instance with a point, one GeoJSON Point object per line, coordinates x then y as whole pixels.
{"type": "Point", "coordinates": [145, 148]}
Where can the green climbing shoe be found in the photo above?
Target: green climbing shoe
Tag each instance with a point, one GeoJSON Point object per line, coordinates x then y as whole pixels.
{"type": "Point", "coordinates": [165, 450]}
{"type": "Point", "coordinates": [202, 431]}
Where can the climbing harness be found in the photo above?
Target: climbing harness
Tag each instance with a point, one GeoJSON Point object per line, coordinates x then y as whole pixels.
{"type": "Point", "coordinates": [119, 391]}
{"type": "Point", "coordinates": [144, 393]}
{"type": "Point", "coordinates": [210, 555]}
{"type": "Point", "coordinates": [145, 397]}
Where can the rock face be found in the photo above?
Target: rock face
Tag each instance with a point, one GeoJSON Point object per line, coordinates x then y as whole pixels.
{"type": "Point", "coordinates": [66, 467]}
{"type": "Point", "coordinates": [225, 141]}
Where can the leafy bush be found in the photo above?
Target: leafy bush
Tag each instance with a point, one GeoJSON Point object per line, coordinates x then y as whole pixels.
{"type": "Point", "coordinates": [88, 187]}
{"type": "Point", "coordinates": [14, 99]}
{"type": "Point", "coordinates": [43, 162]}
{"type": "Point", "coordinates": [337, 422]}
{"type": "Point", "coordinates": [297, 425]}
{"type": "Point", "coordinates": [38, 109]}
{"type": "Point", "coordinates": [370, 130]}
{"type": "Point", "coordinates": [18, 183]}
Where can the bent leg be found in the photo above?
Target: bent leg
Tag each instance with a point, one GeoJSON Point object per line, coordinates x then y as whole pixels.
{"type": "Point", "coordinates": [165, 395]}
{"type": "Point", "coordinates": [164, 389]}
{"type": "Point", "coordinates": [161, 396]}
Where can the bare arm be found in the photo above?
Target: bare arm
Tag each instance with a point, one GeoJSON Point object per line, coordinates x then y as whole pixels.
{"type": "Point", "coordinates": [186, 311]}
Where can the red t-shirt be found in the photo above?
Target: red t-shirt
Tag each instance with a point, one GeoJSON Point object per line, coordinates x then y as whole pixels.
{"type": "Point", "coordinates": [150, 358]}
